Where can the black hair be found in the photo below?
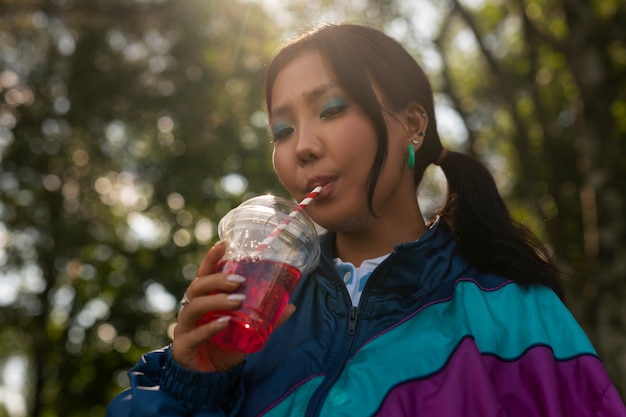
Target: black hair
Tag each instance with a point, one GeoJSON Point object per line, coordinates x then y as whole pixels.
{"type": "Point", "coordinates": [487, 236]}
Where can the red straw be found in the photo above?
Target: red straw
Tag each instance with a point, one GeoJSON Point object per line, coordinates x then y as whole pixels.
{"type": "Point", "coordinates": [305, 202]}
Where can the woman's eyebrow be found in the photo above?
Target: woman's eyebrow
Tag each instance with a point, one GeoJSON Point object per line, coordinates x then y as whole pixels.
{"type": "Point", "coordinates": [311, 96]}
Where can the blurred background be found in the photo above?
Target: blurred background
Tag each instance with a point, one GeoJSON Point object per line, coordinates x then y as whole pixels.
{"type": "Point", "coordinates": [129, 127]}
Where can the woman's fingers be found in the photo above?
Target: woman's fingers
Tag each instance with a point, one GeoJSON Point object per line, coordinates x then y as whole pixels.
{"type": "Point", "coordinates": [220, 281]}
{"type": "Point", "coordinates": [190, 315]}
{"type": "Point", "coordinates": [210, 291]}
{"type": "Point", "coordinates": [188, 342]}
{"type": "Point", "coordinates": [212, 258]}
{"type": "Point", "coordinates": [289, 310]}
{"type": "Point", "coordinates": [193, 338]}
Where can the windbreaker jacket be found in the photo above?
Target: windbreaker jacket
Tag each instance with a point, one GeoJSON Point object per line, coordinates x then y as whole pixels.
{"type": "Point", "coordinates": [431, 337]}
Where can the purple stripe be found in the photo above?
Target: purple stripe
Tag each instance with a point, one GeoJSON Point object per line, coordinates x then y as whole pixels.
{"type": "Point", "coordinates": [535, 385]}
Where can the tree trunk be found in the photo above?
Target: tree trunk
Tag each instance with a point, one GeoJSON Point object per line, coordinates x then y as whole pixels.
{"type": "Point", "coordinates": [601, 194]}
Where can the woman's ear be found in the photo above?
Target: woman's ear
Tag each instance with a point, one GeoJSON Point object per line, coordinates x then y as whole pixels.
{"type": "Point", "coordinates": [416, 121]}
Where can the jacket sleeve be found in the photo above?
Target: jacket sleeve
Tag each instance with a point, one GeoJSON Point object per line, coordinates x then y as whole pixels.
{"type": "Point", "coordinates": [161, 387]}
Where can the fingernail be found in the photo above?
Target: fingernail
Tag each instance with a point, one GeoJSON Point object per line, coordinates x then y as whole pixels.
{"type": "Point", "coordinates": [236, 278]}
{"type": "Point", "coordinates": [219, 243]}
{"type": "Point", "coordinates": [236, 297]}
{"type": "Point", "coordinates": [222, 319]}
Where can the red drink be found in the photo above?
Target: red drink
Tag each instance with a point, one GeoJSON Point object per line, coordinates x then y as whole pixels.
{"type": "Point", "coordinates": [259, 229]}
{"type": "Point", "coordinates": [267, 288]}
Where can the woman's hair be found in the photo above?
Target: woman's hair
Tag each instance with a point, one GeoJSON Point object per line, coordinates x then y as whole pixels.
{"type": "Point", "coordinates": [486, 235]}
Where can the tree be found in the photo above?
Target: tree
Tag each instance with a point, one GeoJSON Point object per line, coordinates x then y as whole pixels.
{"type": "Point", "coordinates": [128, 129]}
{"type": "Point", "coordinates": [552, 101]}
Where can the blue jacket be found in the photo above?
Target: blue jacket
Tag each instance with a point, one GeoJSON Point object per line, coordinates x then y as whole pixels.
{"type": "Point", "coordinates": [431, 336]}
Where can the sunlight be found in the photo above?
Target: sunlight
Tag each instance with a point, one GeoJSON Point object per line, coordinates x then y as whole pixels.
{"type": "Point", "coordinates": [10, 282]}
{"type": "Point", "coordinates": [160, 299]}
{"type": "Point", "coordinates": [234, 184]}
{"type": "Point", "coordinates": [12, 385]}
{"type": "Point", "coordinates": [146, 230]}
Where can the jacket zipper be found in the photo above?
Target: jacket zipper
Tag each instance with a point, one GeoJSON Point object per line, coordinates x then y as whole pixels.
{"type": "Point", "coordinates": [354, 314]}
{"type": "Point", "coordinates": [317, 399]}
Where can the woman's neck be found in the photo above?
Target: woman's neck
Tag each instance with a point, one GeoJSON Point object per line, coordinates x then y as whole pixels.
{"type": "Point", "coordinates": [377, 240]}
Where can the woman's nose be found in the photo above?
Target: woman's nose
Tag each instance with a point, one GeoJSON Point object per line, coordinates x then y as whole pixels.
{"type": "Point", "coordinates": [308, 147]}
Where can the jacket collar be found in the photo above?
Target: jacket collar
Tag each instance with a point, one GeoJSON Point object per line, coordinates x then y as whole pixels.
{"type": "Point", "coordinates": [419, 266]}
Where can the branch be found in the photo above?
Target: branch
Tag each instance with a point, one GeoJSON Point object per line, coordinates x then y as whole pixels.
{"type": "Point", "coordinates": [521, 138]}
{"type": "Point", "coordinates": [448, 85]}
{"type": "Point", "coordinates": [532, 28]}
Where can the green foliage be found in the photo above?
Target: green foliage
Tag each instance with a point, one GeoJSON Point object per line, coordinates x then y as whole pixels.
{"type": "Point", "coordinates": [120, 123]}
{"type": "Point", "coordinates": [541, 87]}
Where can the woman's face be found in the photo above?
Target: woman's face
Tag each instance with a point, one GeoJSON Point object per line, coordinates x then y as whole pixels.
{"type": "Point", "coordinates": [323, 138]}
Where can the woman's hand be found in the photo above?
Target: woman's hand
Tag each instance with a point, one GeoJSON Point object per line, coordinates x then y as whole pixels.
{"type": "Point", "coordinates": [192, 347]}
{"type": "Point", "coordinates": [207, 292]}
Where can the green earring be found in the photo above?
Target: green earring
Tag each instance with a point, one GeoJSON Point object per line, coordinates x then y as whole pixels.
{"type": "Point", "coordinates": [411, 158]}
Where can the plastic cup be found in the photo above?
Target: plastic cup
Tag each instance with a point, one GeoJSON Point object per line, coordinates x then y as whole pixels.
{"type": "Point", "coordinates": [272, 270]}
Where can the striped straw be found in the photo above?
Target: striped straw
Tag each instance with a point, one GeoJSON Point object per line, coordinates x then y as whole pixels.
{"type": "Point", "coordinates": [305, 202]}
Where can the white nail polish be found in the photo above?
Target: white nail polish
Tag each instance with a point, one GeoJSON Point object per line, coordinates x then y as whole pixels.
{"type": "Point", "coordinates": [236, 297]}
{"type": "Point", "coordinates": [223, 319]}
{"type": "Point", "coordinates": [236, 278]}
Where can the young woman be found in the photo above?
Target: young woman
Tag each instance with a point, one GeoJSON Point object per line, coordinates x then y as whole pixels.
{"type": "Point", "coordinates": [460, 317]}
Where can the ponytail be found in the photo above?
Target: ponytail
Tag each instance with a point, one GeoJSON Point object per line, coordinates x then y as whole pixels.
{"type": "Point", "coordinates": [487, 236]}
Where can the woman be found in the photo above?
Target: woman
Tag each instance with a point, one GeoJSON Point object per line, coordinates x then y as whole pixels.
{"type": "Point", "coordinates": [461, 317]}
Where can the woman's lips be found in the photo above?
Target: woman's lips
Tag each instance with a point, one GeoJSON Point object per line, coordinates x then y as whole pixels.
{"type": "Point", "coordinates": [326, 190]}
{"type": "Point", "coordinates": [327, 185]}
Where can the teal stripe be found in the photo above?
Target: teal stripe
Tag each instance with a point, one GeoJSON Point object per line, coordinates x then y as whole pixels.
{"type": "Point", "coordinates": [504, 322]}
{"type": "Point", "coordinates": [296, 403]}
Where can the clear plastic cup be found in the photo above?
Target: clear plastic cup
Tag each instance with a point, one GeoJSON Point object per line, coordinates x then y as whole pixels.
{"type": "Point", "coordinates": [272, 267]}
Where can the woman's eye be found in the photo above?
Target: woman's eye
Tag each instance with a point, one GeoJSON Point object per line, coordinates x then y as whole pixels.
{"type": "Point", "coordinates": [281, 131]}
{"type": "Point", "coordinates": [334, 107]}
